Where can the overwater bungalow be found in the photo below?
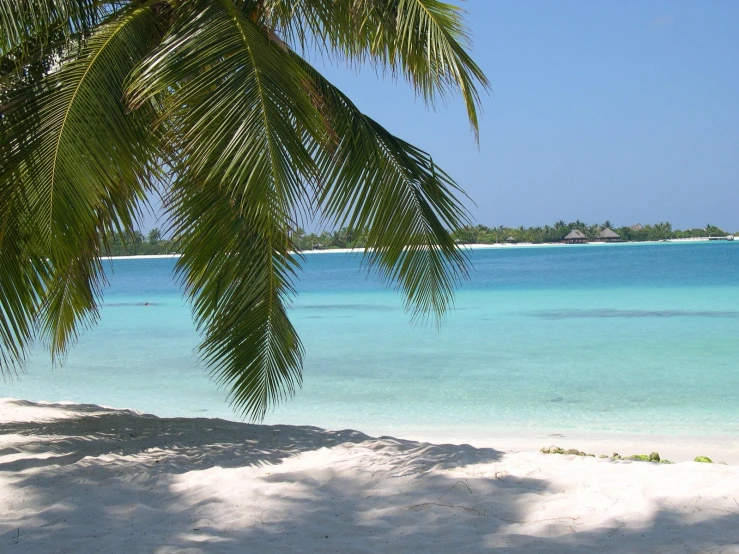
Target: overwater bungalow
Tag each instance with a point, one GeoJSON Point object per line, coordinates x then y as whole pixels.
{"type": "Point", "coordinates": [575, 236]}
{"type": "Point", "coordinates": [609, 235]}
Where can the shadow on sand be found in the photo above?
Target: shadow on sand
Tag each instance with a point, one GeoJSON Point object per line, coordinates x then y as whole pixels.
{"type": "Point", "coordinates": [114, 481]}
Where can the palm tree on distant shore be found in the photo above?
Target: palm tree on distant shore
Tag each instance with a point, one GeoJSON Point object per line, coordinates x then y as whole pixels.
{"type": "Point", "coordinates": [214, 101]}
{"type": "Point", "coordinates": [154, 236]}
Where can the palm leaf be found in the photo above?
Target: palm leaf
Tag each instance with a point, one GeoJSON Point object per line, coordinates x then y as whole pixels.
{"type": "Point", "coordinates": [372, 180]}
{"type": "Point", "coordinates": [33, 22]}
{"type": "Point", "coordinates": [81, 163]}
{"type": "Point", "coordinates": [35, 34]}
{"type": "Point", "coordinates": [425, 40]}
{"type": "Point", "coordinates": [22, 279]}
{"type": "Point", "coordinates": [237, 117]}
{"type": "Point", "coordinates": [237, 268]}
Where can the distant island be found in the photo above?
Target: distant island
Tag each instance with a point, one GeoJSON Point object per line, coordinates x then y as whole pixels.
{"type": "Point", "coordinates": [577, 231]}
{"type": "Point", "coordinates": [154, 243]}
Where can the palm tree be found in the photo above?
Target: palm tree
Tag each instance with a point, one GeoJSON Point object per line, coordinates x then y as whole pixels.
{"type": "Point", "coordinates": [102, 101]}
{"type": "Point", "coordinates": [154, 236]}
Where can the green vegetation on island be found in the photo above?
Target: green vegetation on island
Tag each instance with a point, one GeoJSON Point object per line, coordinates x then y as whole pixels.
{"type": "Point", "coordinates": [138, 244]}
{"type": "Point", "coordinates": [480, 234]}
{"type": "Point", "coordinates": [154, 243]}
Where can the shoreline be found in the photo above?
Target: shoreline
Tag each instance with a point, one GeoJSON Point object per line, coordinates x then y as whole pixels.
{"type": "Point", "coordinates": [142, 257]}
{"type": "Point", "coordinates": [676, 448]}
{"type": "Point", "coordinates": [462, 246]}
{"type": "Point", "coordinates": [83, 478]}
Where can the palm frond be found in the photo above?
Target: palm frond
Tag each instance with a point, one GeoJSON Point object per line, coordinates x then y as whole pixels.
{"type": "Point", "coordinates": [237, 103]}
{"type": "Point", "coordinates": [373, 180]}
{"type": "Point", "coordinates": [237, 117]}
{"type": "Point", "coordinates": [22, 283]}
{"type": "Point", "coordinates": [36, 34]}
{"type": "Point", "coordinates": [424, 40]}
{"type": "Point", "coordinates": [236, 267]}
{"type": "Point", "coordinates": [34, 22]}
{"type": "Point", "coordinates": [80, 162]}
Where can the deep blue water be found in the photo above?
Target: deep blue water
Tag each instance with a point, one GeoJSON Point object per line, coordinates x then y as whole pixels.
{"type": "Point", "coordinates": [612, 338]}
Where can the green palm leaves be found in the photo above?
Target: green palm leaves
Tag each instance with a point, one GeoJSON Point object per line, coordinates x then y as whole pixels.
{"type": "Point", "coordinates": [242, 167]}
{"type": "Point", "coordinates": [74, 164]}
{"type": "Point", "coordinates": [424, 40]}
{"type": "Point", "coordinates": [207, 99]}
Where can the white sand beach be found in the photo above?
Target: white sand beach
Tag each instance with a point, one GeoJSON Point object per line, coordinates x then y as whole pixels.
{"type": "Point", "coordinates": [82, 478]}
{"type": "Point", "coordinates": [142, 257]}
{"type": "Point", "coordinates": [464, 246]}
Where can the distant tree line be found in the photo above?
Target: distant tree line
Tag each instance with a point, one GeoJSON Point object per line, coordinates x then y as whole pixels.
{"type": "Point", "coordinates": [343, 238]}
{"type": "Point", "coordinates": [138, 244]}
{"type": "Point", "coordinates": [154, 243]}
{"type": "Point", "coordinates": [480, 234]}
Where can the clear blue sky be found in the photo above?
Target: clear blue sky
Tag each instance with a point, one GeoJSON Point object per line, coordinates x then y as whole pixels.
{"type": "Point", "coordinates": [620, 110]}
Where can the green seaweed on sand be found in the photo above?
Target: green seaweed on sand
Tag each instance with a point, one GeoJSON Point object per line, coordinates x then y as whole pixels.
{"type": "Point", "coordinates": [570, 451]}
{"type": "Point", "coordinates": [651, 457]}
{"type": "Point", "coordinates": [638, 457]}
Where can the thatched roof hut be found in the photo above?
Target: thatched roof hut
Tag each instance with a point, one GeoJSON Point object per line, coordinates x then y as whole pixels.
{"type": "Point", "coordinates": [576, 236]}
{"type": "Point", "coordinates": [609, 236]}
{"type": "Point", "coordinates": [510, 239]}
{"type": "Point", "coordinates": [637, 227]}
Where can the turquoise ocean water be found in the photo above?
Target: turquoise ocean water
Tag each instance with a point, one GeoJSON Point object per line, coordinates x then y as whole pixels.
{"type": "Point", "coordinates": [633, 339]}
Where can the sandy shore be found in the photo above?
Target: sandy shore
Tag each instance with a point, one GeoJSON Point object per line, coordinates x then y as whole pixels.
{"type": "Point", "coordinates": [81, 478]}
{"type": "Point", "coordinates": [466, 247]}
{"type": "Point", "coordinates": [142, 257]}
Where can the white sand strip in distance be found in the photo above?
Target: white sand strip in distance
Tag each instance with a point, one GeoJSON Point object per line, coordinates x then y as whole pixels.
{"type": "Point", "coordinates": [81, 478]}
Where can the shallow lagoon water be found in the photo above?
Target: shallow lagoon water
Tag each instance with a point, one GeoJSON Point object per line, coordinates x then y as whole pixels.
{"type": "Point", "coordinates": [596, 339]}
